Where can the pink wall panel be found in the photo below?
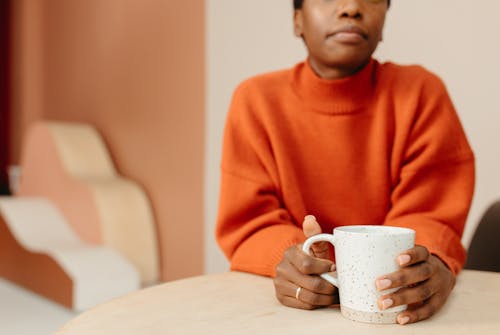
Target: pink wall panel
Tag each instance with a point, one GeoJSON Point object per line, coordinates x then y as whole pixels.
{"type": "Point", "coordinates": [136, 71]}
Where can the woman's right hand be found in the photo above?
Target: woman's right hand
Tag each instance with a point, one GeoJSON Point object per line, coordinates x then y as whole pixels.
{"type": "Point", "coordinates": [297, 282]}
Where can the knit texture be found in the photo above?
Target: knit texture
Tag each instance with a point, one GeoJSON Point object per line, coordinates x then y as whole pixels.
{"type": "Point", "coordinates": [382, 147]}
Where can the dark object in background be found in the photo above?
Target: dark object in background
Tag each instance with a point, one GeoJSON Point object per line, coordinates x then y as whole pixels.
{"type": "Point", "coordinates": [484, 250]}
{"type": "Point", "coordinates": [5, 22]}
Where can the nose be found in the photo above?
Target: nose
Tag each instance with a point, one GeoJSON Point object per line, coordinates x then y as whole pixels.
{"type": "Point", "coordinates": [349, 9]}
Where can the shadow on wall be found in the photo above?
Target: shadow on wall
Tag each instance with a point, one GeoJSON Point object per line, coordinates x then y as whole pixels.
{"type": "Point", "coordinates": [4, 93]}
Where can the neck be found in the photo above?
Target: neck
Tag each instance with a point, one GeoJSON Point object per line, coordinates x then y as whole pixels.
{"type": "Point", "coordinates": [342, 96]}
{"type": "Point", "coordinates": [334, 72]}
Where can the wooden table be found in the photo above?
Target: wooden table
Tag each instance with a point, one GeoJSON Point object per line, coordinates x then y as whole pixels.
{"type": "Point", "coordinates": [239, 303]}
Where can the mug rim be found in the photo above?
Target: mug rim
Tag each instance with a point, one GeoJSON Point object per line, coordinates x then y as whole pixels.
{"type": "Point", "coordinates": [374, 230]}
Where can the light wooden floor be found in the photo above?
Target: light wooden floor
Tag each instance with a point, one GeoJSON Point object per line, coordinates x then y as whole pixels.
{"type": "Point", "coordinates": [25, 313]}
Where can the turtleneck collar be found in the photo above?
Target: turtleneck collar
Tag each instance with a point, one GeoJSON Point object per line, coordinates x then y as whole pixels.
{"type": "Point", "coordinates": [339, 96]}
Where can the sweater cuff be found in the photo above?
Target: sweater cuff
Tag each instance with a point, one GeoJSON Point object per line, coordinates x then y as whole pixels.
{"type": "Point", "coordinates": [261, 253]}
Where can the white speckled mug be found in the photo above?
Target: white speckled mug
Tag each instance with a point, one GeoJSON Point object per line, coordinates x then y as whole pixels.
{"type": "Point", "coordinates": [362, 254]}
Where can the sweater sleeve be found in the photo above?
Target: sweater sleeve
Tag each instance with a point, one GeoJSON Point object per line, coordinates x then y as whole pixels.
{"type": "Point", "coordinates": [253, 227]}
{"type": "Point", "coordinates": [436, 179]}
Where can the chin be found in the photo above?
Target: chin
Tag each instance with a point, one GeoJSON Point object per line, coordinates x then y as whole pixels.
{"type": "Point", "coordinates": [353, 65]}
{"type": "Point", "coordinates": [353, 58]}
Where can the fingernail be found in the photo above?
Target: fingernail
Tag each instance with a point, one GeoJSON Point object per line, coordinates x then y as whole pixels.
{"type": "Point", "coordinates": [382, 284]}
{"type": "Point", "coordinates": [404, 259]}
{"type": "Point", "coordinates": [333, 268]}
{"type": "Point", "coordinates": [387, 303]}
{"type": "Point", "coordinates": [402, 320]}
{"type": "Point", "coordinates": [309, 217]}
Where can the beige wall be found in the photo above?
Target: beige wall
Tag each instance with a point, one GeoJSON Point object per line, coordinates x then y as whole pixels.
{"type": "Point", "coordinates": [135, 69]}
{"type": "Point", "coordinates": [456, 40]}
{"type": "Point", "coordinates": [243, 38]}
{"type": "Point", "coordinates": [448, 38]}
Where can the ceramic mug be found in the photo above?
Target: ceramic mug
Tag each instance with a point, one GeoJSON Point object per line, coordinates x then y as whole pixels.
{"type": "Point", "coordinates": [362, 254]}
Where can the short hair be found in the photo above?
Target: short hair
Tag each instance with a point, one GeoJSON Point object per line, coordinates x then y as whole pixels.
{"type": "Point", "coordinates": [297, 4]}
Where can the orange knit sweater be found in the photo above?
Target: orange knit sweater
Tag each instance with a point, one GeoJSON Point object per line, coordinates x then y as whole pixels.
{"type": "Point", "coordinates": [384, 146]}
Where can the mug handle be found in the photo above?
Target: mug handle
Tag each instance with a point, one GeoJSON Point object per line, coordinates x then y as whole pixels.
{"type": "Point", "coordinates": [306, 247]}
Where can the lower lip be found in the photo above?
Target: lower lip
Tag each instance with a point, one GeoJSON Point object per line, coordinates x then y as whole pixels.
{"type": "Point", "coordinates": [348, 37]}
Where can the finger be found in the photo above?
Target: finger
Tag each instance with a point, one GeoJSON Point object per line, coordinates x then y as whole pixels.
{"type": "Point", "coordinates": [301, 293]}
{"type": "Point", "coordinates": [316, 284]}
{"type": "Point", "coordinates": [316, 299]}
{"type": "Point", "coordinates": [292, 302]}
{"type": "Point", "coordinates": [405, 277]}
{"type": "Point", "coordinates": [412, 256]}
{"type": "Point", "coordinates": [283, 295]}
{"type": "Point", "coordinates": [307, 264]}
{"type": "Point", "coordinates": [410, 295]}
{"type": "Point", "coordinates": [310, 228]}
{"type": "Point", "coordinates": [287, 271]}
{"type": "Point", "coordinates": [422, 312]}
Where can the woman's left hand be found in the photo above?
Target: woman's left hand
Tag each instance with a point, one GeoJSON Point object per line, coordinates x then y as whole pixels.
{"type": "Point", "coordinates": [425, 282]}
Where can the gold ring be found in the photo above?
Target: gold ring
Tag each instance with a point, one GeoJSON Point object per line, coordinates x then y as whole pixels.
{"type": "Point", "coordinates": [297, 292]}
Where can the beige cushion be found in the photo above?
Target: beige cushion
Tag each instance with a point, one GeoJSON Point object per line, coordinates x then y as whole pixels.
{"type": "Point", "coordinates": [70, 165]}
{"type": "Point", "coordinates": [74, 273]}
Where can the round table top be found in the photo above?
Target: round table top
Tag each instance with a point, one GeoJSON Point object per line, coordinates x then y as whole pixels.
{"type": "Point", "coordinates": [240, 303]}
